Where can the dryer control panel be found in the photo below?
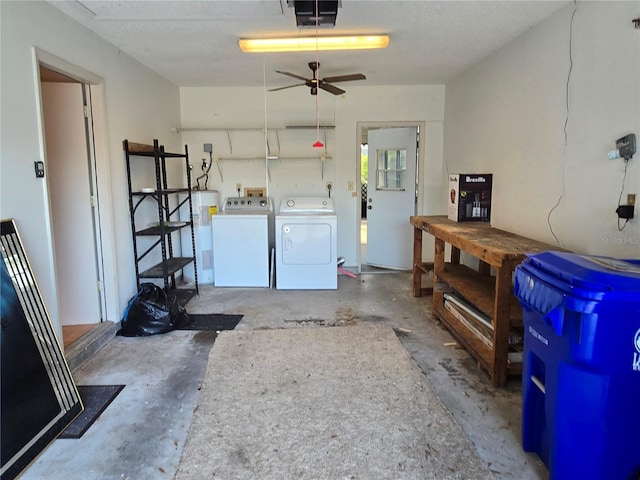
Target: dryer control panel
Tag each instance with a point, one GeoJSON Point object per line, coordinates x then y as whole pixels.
{"type": "Point", "coordinates": [303, 205]}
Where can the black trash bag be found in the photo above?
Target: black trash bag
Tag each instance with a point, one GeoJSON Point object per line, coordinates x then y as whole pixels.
{"type": "Point", "coordinates": [152, 311]}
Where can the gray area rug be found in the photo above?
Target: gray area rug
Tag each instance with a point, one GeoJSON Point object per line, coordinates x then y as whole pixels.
{"type": "Point", "coordinates": [321, 403]}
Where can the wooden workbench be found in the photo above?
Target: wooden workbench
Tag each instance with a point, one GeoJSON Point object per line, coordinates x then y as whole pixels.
{"type": "Point", "coordinates": [489, 289]}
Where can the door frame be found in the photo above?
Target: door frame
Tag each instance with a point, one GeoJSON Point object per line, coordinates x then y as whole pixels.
{"type": "Point", "coordinates": [361, 127]}
{"type": "Point", "coordinates": [101, 180]}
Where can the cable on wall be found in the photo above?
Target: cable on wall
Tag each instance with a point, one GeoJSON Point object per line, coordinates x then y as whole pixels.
{"type": "Point", "coordinates": [624, 178]}
{"type": "Point", "coordinates": [636, 23]}
{"type": "Point", "coordinates": [566, 122]}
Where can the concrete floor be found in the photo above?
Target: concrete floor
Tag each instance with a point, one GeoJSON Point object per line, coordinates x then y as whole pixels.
{"type": "Point", "coordinates": [142, 433]}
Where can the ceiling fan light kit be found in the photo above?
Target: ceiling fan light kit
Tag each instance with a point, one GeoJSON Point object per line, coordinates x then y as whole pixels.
{"type": "Point", "coordinates": [307, 44]}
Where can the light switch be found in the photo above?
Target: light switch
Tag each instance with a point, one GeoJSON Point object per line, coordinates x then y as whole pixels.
{"type": "Point", "coordinates": [39, 167]}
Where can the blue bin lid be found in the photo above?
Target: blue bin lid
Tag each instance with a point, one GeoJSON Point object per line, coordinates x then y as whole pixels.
{"type": "Point", "coordinates": [588, 276]}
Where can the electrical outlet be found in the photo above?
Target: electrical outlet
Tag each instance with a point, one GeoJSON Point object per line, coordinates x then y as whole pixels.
{"type": "Point", "coordinates": [631, 199]}
{"type": "Point", "coordinates": [329, 186]}
{"type": "Point", "coordinates": [238, 187]}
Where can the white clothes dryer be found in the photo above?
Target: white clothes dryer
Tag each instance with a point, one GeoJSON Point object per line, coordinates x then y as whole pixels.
{"type": "Point", "coordinates": [242, 242]}
{"type": "Point", "coordinates": [306, 244]}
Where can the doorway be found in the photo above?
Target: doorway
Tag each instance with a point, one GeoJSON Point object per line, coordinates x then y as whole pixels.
{"type": "Point", "coordinates": [72, 194]}
{"type": "Point", "coordinates": [389, 162]}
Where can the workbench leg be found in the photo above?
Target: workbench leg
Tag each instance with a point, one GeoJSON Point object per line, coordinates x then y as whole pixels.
{"type": "Point", "coordinates": [417, 260]}
{"type": "Point", "coordinates": [455, 255]}
{"type": "Point", "coordinates": [501, 324]}
{"type": "Point", "coordinates": [438, 259]}
{"type": "Point", "coordinates": [484, 268]}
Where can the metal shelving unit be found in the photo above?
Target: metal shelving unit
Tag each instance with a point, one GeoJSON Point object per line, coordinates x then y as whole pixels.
{"type": "Point", "coordinates": [164, 197]}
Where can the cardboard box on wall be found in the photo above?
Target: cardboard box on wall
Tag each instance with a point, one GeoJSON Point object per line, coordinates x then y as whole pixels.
{"type": "Point", "coordinates": [470, 197]}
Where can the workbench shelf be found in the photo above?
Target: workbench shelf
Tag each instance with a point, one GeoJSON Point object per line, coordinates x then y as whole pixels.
{"type": "Point", "coordinates": [481, 288]}
{"type": "Point", "coordinates": [493, 333]}
{"type": "Point", "coordinates": [479, 346]}
{"type": "Point", "coordinates": [159, 236]}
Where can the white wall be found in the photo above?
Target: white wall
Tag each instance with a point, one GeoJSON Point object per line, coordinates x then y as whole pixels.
{"type": "Point", "coordinates": [138, 105]}
{"type": "Point", "coordinates": [507, 115]}
{"type": "Point", "coordinates": [245, 107]}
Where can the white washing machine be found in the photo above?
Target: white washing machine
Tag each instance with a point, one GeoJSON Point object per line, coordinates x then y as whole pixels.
{"type": "Point", "coordinates": [306, 244]}
{"type": "Point", "coordinates": [242, 242]}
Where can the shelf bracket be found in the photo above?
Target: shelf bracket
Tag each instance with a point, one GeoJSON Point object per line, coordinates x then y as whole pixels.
{"type": "Point", "coordinates": [229, 140]}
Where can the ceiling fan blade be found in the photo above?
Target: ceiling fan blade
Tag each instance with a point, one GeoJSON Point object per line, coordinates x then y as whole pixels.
{"type": "Point", "coordinates": [293, 75]}
{"type": "Point", "coordinates": [288, 86]}
{"type": "Point", "coordinates": [344, 78]}
{"type": "Point", "coordinates": [331, 88]}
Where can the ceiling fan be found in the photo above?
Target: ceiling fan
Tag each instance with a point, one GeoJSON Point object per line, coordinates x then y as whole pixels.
{"type": "Point", "coordinates": [325, 83]}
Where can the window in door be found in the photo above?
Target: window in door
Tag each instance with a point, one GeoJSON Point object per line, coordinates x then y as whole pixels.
{"type": "Point", "coordinates": [391, 169]}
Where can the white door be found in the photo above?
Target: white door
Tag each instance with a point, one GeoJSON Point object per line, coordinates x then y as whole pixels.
{"type": "Point", "coordinates": [72, 216]}
{"type": "Point", "coordinates": [391, 196]}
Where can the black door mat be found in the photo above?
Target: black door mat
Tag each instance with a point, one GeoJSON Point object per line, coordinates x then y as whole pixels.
{"type": "Point", "coordinates": [212, 322]}
{"type": "Point", "coordinates": [95, 398]}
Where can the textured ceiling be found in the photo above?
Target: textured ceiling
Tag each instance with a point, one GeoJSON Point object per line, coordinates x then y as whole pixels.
{"type": "Point", "coordinates": [195, 43]}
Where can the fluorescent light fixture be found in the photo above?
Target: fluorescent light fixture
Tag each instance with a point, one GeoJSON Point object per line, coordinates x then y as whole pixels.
{"type": "Point", "coordinates": [306, 44]}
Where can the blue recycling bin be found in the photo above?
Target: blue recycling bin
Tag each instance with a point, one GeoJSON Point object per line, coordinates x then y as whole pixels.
{"type": "Point", "coordinates": [581, 366]}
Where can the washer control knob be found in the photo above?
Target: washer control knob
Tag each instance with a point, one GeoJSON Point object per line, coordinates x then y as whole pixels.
{"type": "Point", "coordinates": [290, 203]}
{"type": "Point", "coordinates": [324, 203]}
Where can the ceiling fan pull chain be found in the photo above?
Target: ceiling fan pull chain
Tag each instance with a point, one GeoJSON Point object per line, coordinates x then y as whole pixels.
{"type": "Point", "coordinates": [316, 75]}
